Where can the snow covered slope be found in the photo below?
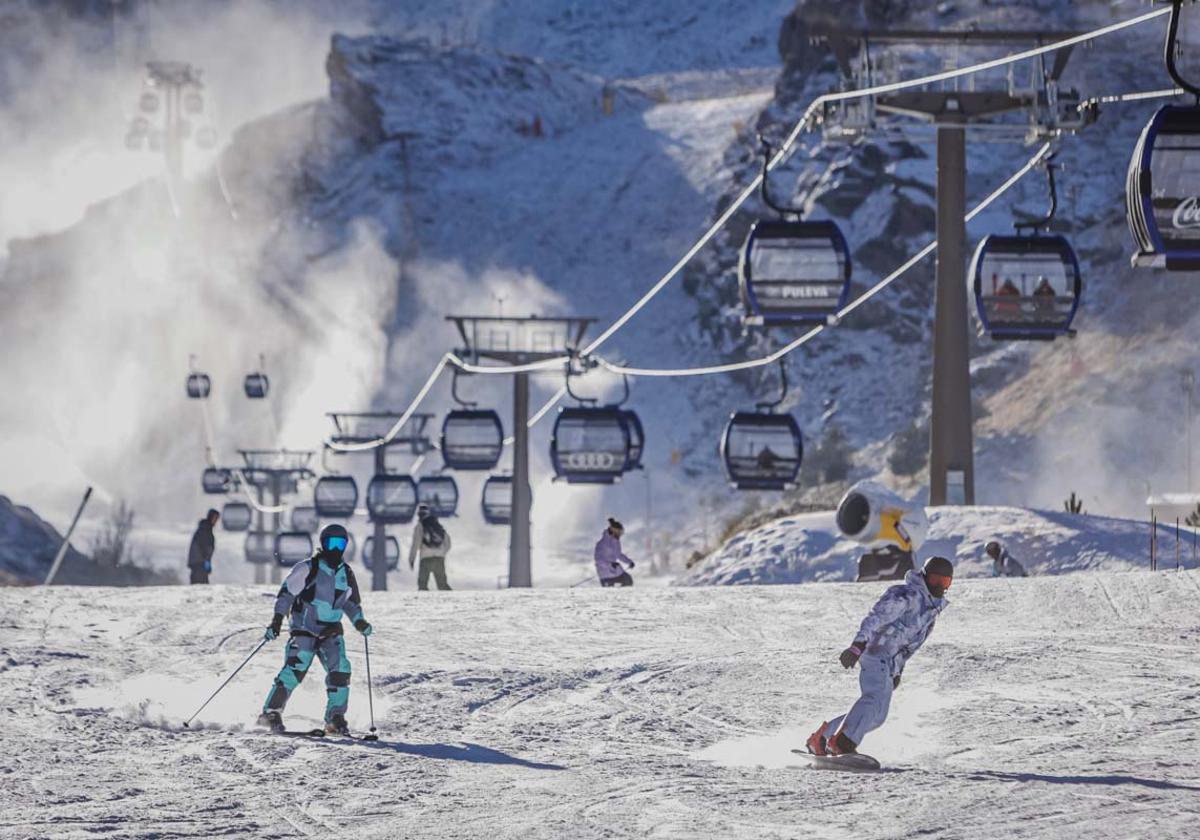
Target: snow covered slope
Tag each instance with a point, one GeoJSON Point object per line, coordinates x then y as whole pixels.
{"type": "Point", "coordinates": [1041, 708]}
{"type": "Point", "coordinates": [808, 547]}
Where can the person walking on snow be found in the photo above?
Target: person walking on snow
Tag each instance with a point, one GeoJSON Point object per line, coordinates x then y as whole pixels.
{"type": "Point", "coordinates": [200, 552]}
{"type": "Point", "coordinates": [1003, 563]}
{"type": "Point", "coordinates": [430, 545]}
{"type": "Point", "coordinates": [892, 632]}
{"type": "Point", "coordinates": [315, 595]}
{"type": "Point", "coordinates": [609, 557]}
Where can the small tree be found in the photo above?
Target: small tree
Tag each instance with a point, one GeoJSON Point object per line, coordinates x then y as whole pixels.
{"type": "Point", "coordinates": [1193, 518]}
{"type": "Point", "coordinates": [1073, 504]}
{"type": "Point", "coordinates": [112, 545]}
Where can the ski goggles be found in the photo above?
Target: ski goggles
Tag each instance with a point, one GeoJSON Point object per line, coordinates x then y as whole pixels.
{"type": "Point", "coordinates": [940, 581]}
{"type": "Point", "coordinates": [336, 543]}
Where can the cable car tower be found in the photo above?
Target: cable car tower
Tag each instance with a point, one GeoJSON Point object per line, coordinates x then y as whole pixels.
{"type": "Point", "coordinates": [950, 113]}
{"type": "Point", "coordinates": [279, 472]}
{"type": "Point", "coordinates": [385, 490]}
{"type": "Point", "coordinates": [515, 342]}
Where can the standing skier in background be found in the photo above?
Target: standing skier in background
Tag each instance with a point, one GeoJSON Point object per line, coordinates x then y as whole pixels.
{"type": "Point", "coordinates": [204, 543]}
{"type": "Point", "coordinates": [609, 557]}
{"type": "Point", "coordinates": [315, 594]}
{"type": "Point", "coordinates": [1003, 563]}
{"type": "Point", "coordinates": [892, 632]}
{"type": "Point", "coordinates": [430, 545]}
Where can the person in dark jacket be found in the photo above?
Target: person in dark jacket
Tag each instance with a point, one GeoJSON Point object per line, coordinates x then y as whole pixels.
{"type": "Point", "coordinates": [201, 550]}
{"type": "Point", "coordinates": [430, 546]}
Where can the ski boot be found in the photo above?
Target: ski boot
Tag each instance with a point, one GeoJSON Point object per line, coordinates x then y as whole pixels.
{"type": "Point", "coordinates": [272, 720]}
{"type": "Point", "coordinates": [336, 725]}
{"type": "Point", "coordinates": [816, 741]}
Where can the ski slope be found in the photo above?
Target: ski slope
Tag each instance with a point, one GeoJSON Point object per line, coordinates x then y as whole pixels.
{"type": "Point", "coordinates": [1044, 707]}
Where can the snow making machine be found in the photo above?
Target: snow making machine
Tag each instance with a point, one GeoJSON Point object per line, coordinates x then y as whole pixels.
{"type": "Point", "coordinates": [895, 528]}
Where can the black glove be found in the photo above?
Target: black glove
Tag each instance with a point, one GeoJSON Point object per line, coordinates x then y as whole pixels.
{"type": "Point", "coordinates": [630, 563]}
{"type": "Point", "coordinates": [851, 654]}
{"type": "Point", "coordinates": [363, 626]}
{"type": "Point", "coordinates": [896, 681]}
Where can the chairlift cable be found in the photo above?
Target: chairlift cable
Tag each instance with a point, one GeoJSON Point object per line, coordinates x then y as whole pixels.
{"type": "Point", "coordinates": [781, 155]}
{"type": "Point", "coordinates": [842, 313]}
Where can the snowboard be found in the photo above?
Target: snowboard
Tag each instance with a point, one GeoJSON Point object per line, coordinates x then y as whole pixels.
{"type": "Point", "coordinates": [851, 762]}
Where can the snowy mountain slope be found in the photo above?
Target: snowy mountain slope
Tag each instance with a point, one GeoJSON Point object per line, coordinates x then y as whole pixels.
{"type": "Point", "coordinates": [808, 547]}
{"type": "Point", "coordinates": [1045, 707]}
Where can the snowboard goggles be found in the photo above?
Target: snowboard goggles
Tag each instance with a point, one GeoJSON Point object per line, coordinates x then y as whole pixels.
{"type": "Point", "coordinates": [942, 581]}
{"type": "Point", "coordinates": [335, 543]}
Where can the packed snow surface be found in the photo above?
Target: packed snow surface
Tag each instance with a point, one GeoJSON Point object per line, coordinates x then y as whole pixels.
{"type": "Point", "coordinates": [1043, 707]}
{"type": "Point", "coordinates": [808, 547]}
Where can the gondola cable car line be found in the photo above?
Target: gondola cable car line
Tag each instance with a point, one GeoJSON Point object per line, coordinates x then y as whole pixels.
{"type": "Point", "coordinates": [782, 154]}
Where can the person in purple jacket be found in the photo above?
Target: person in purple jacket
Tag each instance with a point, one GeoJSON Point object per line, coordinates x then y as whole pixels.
{"type": "Point", "coordinates": [609, 558]}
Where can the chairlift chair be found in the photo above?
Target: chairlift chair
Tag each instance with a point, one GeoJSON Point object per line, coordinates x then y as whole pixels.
{"type": "Point", "coordinates": [497, 500]}
{"type": "Point", "coordinates": [440, 493]}
{"type": "Point", "coordinates": [391, 553]}
{"type": "Point", "coordinates": [792, 272]}
{"type": "Point", "coordinates": [335, 496]}
{"type": "Point", "coordinates": [236, 516]}
{"type": "Point", "coordinates": [292, 547]}
{"type": "Point", "coordinates": [392, 499]}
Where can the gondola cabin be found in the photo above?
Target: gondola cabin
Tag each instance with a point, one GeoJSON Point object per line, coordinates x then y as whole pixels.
{"type": "Point", "coordinates": [217, 481]}
{"type": "Point", "coordinates": [762, 451]}
{"type": "Point", "coordinates": [1162, 191]}
{"type": "Point", "coordinates": [391, 553]}
{"type": "Point", "coordinates": [497, 500]}
{"type": "Point", "coordinates": [236, 516]}
{"type": "Point", "coordinates": [335, 496]}
{"type": "Point", "coordinates": [260, 548]}
{"type": "Point", "coordinates": [305, 518]}
{"type": "Point", "coordinates": [256, 385]}
{"type": "Point", "coordinates": [793, 273]}
{"type": "Point", "coordinates": [590, 445]}
{"type": "Point", "coordinates": [472, 439]}
{"type": "Point", "coordinates": [440, 492]}
{"type": "Point", "coordinates": [637, 441]}
{"type": "Point", "coordinates": [292, 547]}
{"type": "Point", "coordinates": [392, 499]}
{"type": "Point", "coordinates": [1026, 287]}
{"type": "Point", "coordinates": [199, 385]}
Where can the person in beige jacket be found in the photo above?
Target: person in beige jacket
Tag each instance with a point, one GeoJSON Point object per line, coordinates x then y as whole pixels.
{"type": "Point", "coordinates": [430, 545]}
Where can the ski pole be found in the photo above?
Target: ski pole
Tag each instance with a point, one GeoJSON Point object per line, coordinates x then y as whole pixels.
{"type": "Point", "coordinates": [227, 679]}
{"type": "Point", "coordinates": [370, 699]}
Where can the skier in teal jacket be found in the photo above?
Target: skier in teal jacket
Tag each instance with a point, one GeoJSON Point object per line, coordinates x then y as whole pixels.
{"type": "Point", "coordinates": [315, 594]}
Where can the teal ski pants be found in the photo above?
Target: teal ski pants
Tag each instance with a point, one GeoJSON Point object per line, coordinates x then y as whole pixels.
{"type": "Point", "coordinates": [298, 655]}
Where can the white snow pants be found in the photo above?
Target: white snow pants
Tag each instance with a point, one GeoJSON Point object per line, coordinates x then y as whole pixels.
{"type": "Point", "coordinates": [870, 710]}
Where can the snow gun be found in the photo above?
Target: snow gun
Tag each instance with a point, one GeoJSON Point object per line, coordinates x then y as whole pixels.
{"type": "Point", "coordinates": [870, 513]}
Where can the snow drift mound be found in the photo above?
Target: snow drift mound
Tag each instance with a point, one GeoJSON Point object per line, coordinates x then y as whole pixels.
{"type": "Point", "coordinates": [802, 549]}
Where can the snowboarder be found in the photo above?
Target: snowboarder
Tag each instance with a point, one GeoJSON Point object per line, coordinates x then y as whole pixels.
{"type": "Point", "coordinates": [315, 595]}
{"type": "Point", "coordinates": [1003, 563]}
{"type": "Point", "coordinates": [892, 632]}
{"type": "Point", "coordinates": [430, 545]}
{"type": "Point", "coordinates": [200, 552]}
{"type": "Point", "coordinates": [609, 558]}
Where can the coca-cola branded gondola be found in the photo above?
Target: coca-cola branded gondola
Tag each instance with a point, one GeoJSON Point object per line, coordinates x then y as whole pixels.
{"type": "Point", "coordinates": [1162, 192]}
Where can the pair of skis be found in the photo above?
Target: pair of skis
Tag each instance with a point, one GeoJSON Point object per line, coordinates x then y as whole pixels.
{"type": "Point", "coordinates": [321, 733]}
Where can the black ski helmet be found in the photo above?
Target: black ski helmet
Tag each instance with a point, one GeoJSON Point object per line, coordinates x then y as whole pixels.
{"type": "Point", "coordinates": [992, 549]}
{"type": "Point", "coordinates": [937, 567]}
{"type": "Point", "coordinates": [332, 534]}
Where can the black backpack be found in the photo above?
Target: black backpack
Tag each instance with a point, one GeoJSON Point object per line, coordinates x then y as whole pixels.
{"type": "Point", "coordinates": [433, 535]}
